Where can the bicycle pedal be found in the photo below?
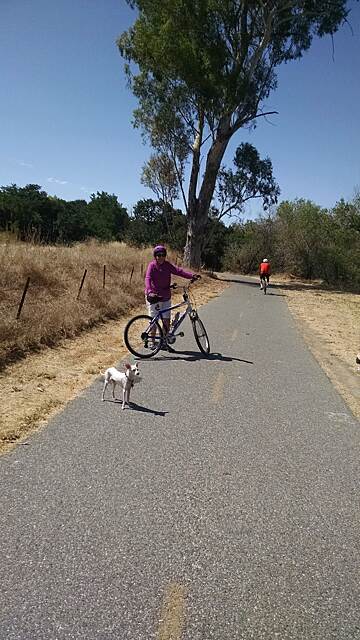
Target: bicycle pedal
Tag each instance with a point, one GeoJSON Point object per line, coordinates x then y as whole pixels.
{"type": "Point", "coordinates": [181, 334]}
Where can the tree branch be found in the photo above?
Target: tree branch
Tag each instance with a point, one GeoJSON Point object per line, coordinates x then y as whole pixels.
{"type": "Point", "coordinates": [196, 159]}
{"type": "Point", "coordinates": [173, 157]}
{"type": "Point", "coordinates": [241, 122]}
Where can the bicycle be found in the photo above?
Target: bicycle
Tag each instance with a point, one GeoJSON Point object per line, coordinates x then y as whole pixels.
{"type": "Point", "coordinates": [144, 336]}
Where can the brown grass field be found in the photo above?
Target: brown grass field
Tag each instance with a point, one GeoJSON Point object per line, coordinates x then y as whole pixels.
{"type": "Point", "coordinates": [51, 311]}
{"type": "Point", "coordinates": [59, 344]}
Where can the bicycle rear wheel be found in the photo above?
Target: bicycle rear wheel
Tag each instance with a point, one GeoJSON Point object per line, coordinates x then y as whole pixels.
{"type": "Point", "coordinates": [200, 334]}
{"type": "Point", "coordinates": [138, 339]}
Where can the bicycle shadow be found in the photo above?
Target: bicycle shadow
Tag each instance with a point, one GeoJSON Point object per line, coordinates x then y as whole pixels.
{"type": "Point", "coordinates": [193, 356]}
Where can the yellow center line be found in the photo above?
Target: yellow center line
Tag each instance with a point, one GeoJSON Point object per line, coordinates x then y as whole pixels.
{"type": "Point", "coordinates": [172, 613]}
{"type": "Point", "coordinates": [218, 389]}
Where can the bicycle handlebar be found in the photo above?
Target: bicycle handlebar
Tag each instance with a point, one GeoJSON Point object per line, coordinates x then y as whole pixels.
{"type": "Point", "coordinates": [194, 279]}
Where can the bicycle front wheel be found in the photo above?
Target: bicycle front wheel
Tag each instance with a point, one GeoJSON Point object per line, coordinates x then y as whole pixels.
{"type": "Point", "coordinates": [143, 337]}
{"type": "Point", "coordinates": [201, 336]}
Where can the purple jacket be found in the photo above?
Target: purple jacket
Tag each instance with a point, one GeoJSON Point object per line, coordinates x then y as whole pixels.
{"type": "Point", "coordinates": [158, 278]}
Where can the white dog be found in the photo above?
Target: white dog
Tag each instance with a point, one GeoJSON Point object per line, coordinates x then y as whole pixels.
{"type": "Point", "coordinates": [126, 380]}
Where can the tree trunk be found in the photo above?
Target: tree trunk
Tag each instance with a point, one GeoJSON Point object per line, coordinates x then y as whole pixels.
{"type": "Point", "coordinates": [198, 209]}
{"type": "Point", "coordinates": [194, 237]}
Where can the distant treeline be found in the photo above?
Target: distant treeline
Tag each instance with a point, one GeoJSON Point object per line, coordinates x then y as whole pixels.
{"type": "Point", "coordinates": [299, 237]}
{"type": "Point", "coordinates": [304, 239]}
{"type": "Point", "coordinates": [31, 214]}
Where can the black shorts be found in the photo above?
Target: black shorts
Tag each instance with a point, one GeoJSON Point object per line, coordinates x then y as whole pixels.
{"type": "Point", "coordinates": [265, 276]}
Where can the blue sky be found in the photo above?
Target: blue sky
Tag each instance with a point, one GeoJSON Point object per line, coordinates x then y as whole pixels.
{"type": "Point", "coordinates": [65, 112]}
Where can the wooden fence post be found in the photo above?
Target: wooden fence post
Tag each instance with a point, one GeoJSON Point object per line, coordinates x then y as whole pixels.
{"type": "Point", "coordinates": [82, 283]}
{"type": "Point", "coordinates": [104, 276]}
{"type": "Point", "coordinates": [23, 298]}
{"type": "Point", "coordinates": [131, 274]}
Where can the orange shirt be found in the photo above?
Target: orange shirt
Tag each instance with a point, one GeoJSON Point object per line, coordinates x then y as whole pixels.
{"type": "Point", "coordinates": [265, 268]}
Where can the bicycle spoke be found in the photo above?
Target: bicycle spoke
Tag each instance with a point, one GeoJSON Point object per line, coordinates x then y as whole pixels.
{"type": "Point", "coordinates": [141, 338]}
{"type": "Point", "coordinates": [201, 336]}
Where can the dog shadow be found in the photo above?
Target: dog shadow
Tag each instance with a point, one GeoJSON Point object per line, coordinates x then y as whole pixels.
{"type": "Point", "coordinates": [140, 407]}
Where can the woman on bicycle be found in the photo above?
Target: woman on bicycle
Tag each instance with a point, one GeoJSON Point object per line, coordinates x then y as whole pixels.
{"type": "Point", "coordinates": [157, 283]}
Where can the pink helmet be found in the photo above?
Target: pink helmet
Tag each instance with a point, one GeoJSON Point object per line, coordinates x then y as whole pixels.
{"type": "Point", "coordinates": [159, 249]}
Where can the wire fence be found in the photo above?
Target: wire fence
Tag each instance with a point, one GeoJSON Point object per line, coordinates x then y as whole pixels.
{"type": "Point", "coordinates": [106, 280]}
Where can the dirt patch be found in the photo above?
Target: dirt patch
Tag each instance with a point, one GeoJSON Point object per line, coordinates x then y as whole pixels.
{"type": "Point", "coordinates": [330, 324]}
{"type": "Point", "coordinates": [38, 387]}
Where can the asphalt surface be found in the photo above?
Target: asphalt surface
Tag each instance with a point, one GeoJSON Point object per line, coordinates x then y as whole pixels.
{"type": "Point", "coordinates": [223, 505]}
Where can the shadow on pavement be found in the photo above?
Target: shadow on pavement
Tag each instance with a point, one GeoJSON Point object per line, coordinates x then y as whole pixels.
{"type": "Point", "coordinates": [278, 295]}
{"type": "Point", "coordinates": [193, 356]}
{"type": "Point", "coordinates": [291, 286]}
{"type": "Point", "coordinates": [248, 282]}
{"type": "Point", "coordinates": [139, 407]}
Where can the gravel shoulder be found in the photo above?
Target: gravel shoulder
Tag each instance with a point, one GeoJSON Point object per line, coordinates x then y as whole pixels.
{"type": "Point", "coordinates": [330, 324]}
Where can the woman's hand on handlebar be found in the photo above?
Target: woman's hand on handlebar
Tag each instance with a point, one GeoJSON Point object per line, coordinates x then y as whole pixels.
{"type": "Point", "coordinates": [195, 277]}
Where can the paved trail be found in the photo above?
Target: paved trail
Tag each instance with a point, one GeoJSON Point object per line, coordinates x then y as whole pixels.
{"type": "Point", "coordinates": [224, 506]}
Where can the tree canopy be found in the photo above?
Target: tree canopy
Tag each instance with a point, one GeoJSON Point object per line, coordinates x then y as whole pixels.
{"type": "Point", "coordinates": [159, 175]}
{"type": "Point", "coordinates": [252, 178]}
{"type": "Point", "coordinates": [203, 69]}
{"type": "Point", "coordinates": [30, 213]}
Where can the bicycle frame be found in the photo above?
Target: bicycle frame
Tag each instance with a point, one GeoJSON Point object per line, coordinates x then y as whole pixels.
{"type": "Point", "coordinates": [173, 328]}
{"type": "Point", "coordinates": [151, 333]}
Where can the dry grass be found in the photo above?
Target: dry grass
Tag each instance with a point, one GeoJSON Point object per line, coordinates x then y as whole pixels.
{"type": "Point", "coordinates": [51, 310]}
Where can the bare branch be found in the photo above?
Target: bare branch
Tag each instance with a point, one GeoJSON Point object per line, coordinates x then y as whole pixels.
{"type": "Point", "coordinates": [196, 159]}
{"type": "Point", "coordinates": [264, 43]}
{"type": "Point", "coordinates": [206, 139]}
{"type": "Point", "coordinates": [173, 157]}
{"type": "Point", "coordinates": [241, 122]}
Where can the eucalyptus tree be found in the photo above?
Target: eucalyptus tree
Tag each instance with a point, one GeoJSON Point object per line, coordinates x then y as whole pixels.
{"type": "Point", "coordinates": [203, 69]}
{"type": "Point", "coordinates": [253, 178]}
{"type": "Point", "coordinates": [159, 175]}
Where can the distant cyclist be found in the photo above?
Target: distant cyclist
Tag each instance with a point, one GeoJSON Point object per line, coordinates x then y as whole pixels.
{"type": "Point", "coordinates": [264, 271]}
{"type": "Point", "coordinates": [157, 283]}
